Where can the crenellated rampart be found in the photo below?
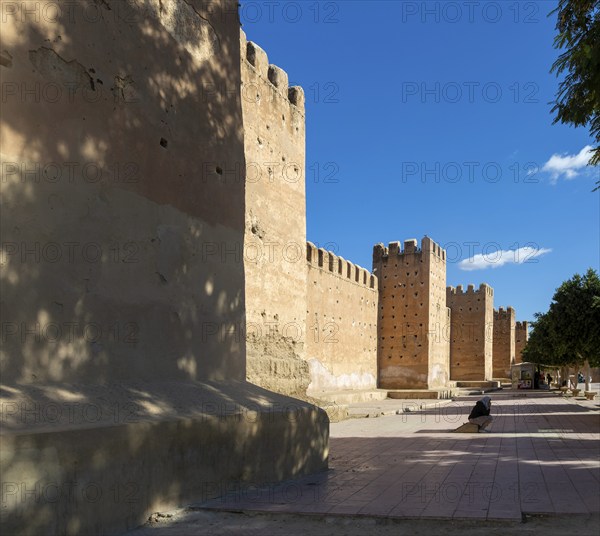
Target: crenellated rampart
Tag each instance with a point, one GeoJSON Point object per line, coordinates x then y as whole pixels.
{"type": "Point", "coordinates": [329, 261]}
{"type": "Point", "coordinates": [341, 321]}
{"type": "Point", "coordinates": [275, 224]}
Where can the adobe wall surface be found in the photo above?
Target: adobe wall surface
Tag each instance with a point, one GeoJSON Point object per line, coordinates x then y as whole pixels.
{"type": "Point", "coordinates": [275, 225]}
{"type": "Point", "coordinates": [341, 320]}
{"type": "Point", "coordinates": [122, 267]}
{"type": "Point", "coordinates": [413, 351]}
{"type": "Point", "coordinates": [471, 332]}
{"type": "Point", "coordinates": [521, 338]}
{"type": "Point", "coordinates": [113, 461]}
{"type": "Point", "coordinates": [439, 314]}
{"type": "Point", "coordinates": [114, 216]}
{"type": "Point", "coordinates": [504, 342]}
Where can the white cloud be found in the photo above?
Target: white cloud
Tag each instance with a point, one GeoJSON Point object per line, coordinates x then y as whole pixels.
{"type": "Point", "coordinates": [567, 165]}
{"type": "Point", "coordinates": [495, 259]}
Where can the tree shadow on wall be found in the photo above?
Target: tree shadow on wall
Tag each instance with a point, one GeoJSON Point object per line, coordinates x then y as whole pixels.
{"type": "Point", "coordinates": [122, 233]}
{"type": "Point", "coordinates": [116, 118]}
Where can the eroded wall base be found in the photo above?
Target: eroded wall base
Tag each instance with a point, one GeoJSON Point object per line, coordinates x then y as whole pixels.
{"type": "Point", "coordinates": [283, 372]}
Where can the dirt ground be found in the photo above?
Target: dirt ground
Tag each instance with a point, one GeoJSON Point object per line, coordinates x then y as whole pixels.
{"type": "Point", "coordinates": [207, 523]}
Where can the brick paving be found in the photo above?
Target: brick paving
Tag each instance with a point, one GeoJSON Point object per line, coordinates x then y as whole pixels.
{"type": "Point", "coordinates": [540, 457]}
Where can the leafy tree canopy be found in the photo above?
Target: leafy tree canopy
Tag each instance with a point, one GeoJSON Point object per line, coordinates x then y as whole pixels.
{"type": "Point", "coordinates": [569, 332]}
{"type": "Point", "coordinates": [578, 97]}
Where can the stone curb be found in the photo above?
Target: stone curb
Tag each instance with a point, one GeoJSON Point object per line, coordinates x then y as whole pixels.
{"type": "Point", "coordinates": [398, 411]}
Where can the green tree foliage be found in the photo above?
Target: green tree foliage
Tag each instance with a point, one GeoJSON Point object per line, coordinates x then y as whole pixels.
{"type": "Point", "coordinates": [569, 333]}
{"type": "Point", "coordinates": [578, 97]}
{"type": "Point", "coordinates": [541, 347]}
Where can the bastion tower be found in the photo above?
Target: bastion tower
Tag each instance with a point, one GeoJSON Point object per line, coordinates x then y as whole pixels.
{"type": "Point", "coordinates": [471, 332]}
{"type": "Point", "coordinates": [413, 349]}
{"type": "Point", "coordinates": [521, 338]}
{"type": "Point", "coordinates": [504, 342]}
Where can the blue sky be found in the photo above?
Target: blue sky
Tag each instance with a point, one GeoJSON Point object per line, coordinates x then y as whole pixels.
{"type": "Point", "coordinates": [434, 118]}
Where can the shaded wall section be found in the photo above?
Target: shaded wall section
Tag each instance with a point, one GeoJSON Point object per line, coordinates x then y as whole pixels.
{"type": "Point", "coordinates": [275, 225]}
{"type": "Point", "coordinates": [341, 320]}
{"type": "Point", "coordinates": [118, 222]}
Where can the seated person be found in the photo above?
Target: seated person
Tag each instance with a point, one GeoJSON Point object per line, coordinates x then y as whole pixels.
{"type": "Point", "coordinates": [480, 414]}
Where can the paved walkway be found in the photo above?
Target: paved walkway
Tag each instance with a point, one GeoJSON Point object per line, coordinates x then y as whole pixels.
{"type": "Point", "coordinates": [541, 457]}
{"type": "Point", "coordinates": [390, 406]}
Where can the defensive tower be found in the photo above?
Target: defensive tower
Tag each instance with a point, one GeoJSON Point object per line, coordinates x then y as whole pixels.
{"type": "Point", "coordinates": [503, 342]}
{"type": "Point", "coordinates": [412, 350]}
{"type": "Point", "coordinates": [471, 332]}
{"type": "Point", "coordinates": [521, 337]}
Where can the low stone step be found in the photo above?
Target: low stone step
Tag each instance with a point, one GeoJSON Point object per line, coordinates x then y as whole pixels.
{"type": "Point", "coordinates": [504, 382]}
{"type": "Point", "coordinates": [407, 394]}
{"type": "Point", "coordinates": [478, 384]}
{"type": "Point", "coordinates": [349, 396]}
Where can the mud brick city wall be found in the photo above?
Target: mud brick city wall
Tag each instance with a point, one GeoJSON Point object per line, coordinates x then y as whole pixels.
{"type": "Point", "coordinates": [439, 314]}
{"type": "Point", "coordinates": [521, 337]}
{"type": "Point", "coordinates": [341, 320]}
{"type": "Point", "coordinates": [110, 215]}
{"type": "Point", "coordinates": [154, 227]}
{"type": "Point", "coordinates": [504, 342]}
{"type": "Point", "coordinates": [471, 332]}
{"type": "Point", "coordinates": [275, 225]}
{"type": "Point", "coordinates": [413, 349]}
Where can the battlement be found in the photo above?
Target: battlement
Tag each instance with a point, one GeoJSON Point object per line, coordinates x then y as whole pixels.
{"type": "Point", "coordinates": [458, 291]}
{"type": "Point", "coordinates": [328, 261]}
{"type": "Point", "coordinates": [504, 313]}
{"type": "Point", "coordinates": [380, 252]}
{"type": "Point", "coordinates": [277, 77]}
{"type": "Point", "coordinates": [522, 325]}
